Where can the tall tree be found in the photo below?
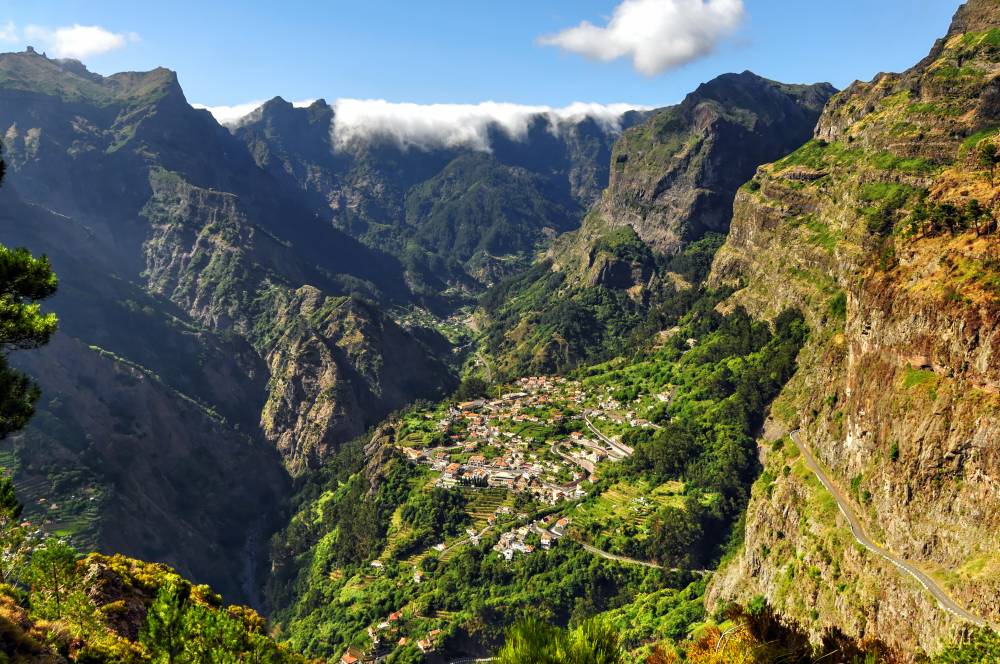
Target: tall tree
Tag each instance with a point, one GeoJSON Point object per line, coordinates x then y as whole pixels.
{"type": "Point", "coordinates": [24, 282]}
{"type": "Point", "coordinates": [53, 572]}
{"type": "Point", "coordinates": [164, 633]}
{"type": "Point", "coordinates": [988, 157]}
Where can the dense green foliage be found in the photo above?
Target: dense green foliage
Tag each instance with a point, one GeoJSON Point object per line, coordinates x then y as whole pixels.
{"type": "Point", "coordinates": [702, 440]}
{"type": "Point", "coordinates": [542, 324]}
{"type": "Point", "coordinates": [24, 281]}
{"type": "Point", "coordinates": [478, 205]}
{"type": "Point", "coordinates": [532, 641]}
{"type": "Point", "coordinates": [342, 521]}
{"type": "Point", "coordinates": [183, 626]}
{"type": "Point", "coordinates": [435, 515]}
{"type": "Point", "coordinates": [982, 648]}
{"type": "Point", "coordinates": [720, 384]}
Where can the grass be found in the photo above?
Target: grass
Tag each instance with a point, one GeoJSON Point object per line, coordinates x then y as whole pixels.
{"type": "Point", "coordinates": [919, 378]}
{"type": "Point", "coordinates": [914, 165]}
{"type": "Point", "coordinates": [817, 154]}
{"type": "Point", "coordinates": [821, 235]}
{"type": "Point", "coordinates": [977, 138]}
{"type": "Point", "coordinates": [620, 509]}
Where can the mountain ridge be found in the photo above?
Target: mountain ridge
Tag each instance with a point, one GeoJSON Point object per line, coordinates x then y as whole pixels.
{"type": "Point", "coordinates": [896, 389]}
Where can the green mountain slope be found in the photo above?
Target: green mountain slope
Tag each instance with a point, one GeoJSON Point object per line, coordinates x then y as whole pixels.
{"type": "Point", "coordinates": [631, 267]}
{"type": "Point", "coordinates": [457, 217]}
{"type": "Point", "coordinates": [185, 262]}
{"type": "Point", "coordinates": [883, 231]}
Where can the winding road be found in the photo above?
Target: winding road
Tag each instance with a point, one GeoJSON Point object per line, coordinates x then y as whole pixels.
{"type": "Point", "coordinates": [857, 529]}
{"type": "Point", "coordinates": [621, 448]}
{"type": "Point", "coordinates": [632, 561]}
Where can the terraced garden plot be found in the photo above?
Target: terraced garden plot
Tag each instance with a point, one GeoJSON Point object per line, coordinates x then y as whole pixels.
{"type": "Point", "coordinates": [624, 511]}
{"type": "Point", "coordinates": [484, 502]}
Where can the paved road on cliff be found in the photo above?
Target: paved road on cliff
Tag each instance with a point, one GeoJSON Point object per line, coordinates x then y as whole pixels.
{"type": "Point", "coordinates": [857, 529]}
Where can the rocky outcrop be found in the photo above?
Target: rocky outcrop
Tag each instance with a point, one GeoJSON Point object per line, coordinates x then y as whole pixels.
{"type": "Point", "coordinates": [176, 254]}
{"type": "Point", "coordinates": [338, 367]}
{"type": "Point", "coordinates": [896, 393]}
{"type": "Point", "coordinates": [673, 178]}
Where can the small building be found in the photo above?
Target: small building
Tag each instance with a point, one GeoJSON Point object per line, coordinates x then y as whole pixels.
{"type": "Point", "coordinates": [352, 656]}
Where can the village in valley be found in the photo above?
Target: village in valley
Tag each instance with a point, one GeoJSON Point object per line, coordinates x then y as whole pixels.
{"type": "Point", "coordinates": [540, 439]}
{"type": "Point", "coordinates": [525, 456]}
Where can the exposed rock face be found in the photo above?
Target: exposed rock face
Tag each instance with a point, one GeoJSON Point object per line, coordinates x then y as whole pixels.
{"type": "Point", "coordinates": [673, 180]}
{"type": "Point", "coordinates": [182, 266]}
{"type": "Point", "coordinates": [338, 359]}
{"type": "Point", "coordinates": [455, 215]}
{"type": "Point", "coordinates": [897, 391]}
{"type": "Point", "coordinates": [674, 177]}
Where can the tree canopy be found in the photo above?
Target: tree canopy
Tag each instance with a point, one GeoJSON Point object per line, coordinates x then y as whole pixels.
{"type": "Point", "coordinates": [24, 282]}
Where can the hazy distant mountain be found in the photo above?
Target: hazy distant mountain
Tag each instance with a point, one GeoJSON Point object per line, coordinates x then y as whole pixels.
{"type": "Point", "coordinates": [460, 196]}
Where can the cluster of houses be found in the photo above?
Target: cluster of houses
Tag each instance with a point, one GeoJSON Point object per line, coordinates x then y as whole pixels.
{"type": "Point", "coordinates": [489, 454]}
{"type": "Point", "coordinates": [384, 637]}
{"type": "Point", "coordinates": [549, 530]}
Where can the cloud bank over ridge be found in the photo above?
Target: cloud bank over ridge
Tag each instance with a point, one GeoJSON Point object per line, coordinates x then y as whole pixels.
{"type": "Point", "coordinates": [432, 126]}
{"type": "Point", "coordinates": [458, 125]}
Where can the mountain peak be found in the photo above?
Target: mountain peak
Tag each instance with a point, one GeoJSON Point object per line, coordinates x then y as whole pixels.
{"type": "Point", "coordinates": [70, 80]}
{"type": "Point", "coordinates": [976, 16]}
{"type": "Point", "coordinates": [744, 90]}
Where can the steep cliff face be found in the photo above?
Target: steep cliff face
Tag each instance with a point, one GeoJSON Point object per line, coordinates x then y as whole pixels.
{"type": "Point", "coordinates": [872, 231]}
{"type": "Point", "coordinates": [176, 253]}
{"type": "Point", "coordinates": [673, 180]}
{"type": "Point", "coordinates": [455, 215]}
{"type": "Point", "coordinates": [338, 367]}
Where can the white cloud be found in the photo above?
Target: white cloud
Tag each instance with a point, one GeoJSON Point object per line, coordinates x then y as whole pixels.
{"type": "Point", "coordinates": [430, 126]}
{"type": "Point", "coordinates": [456, 125]}
{"type": "Point", "coordinates": [230, 114]}
{"type": "Point", "coordinates": [656, 34]}
{"type": "Point", "coordinates": [9, 33]}
{"type": "Point", "coordinates": [78, 41]}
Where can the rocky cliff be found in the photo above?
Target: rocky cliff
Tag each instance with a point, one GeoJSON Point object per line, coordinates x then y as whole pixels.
{"type": "Point", "coordinates": [183, 265]}
{"type": "Point", "coordinates": [455, 215]}
{"type": "Point", "coordinates": [674, 177]}
{"type": "Point", "coordinates": [673, 180]}
{"type": "Point", "coordinates": [883, 231]}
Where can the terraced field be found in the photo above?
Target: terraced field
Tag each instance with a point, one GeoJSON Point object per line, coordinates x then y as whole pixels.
{"type": "Point", "coordinates": [74, 516]}
{"type": "Point", "coordinates": [624, 510]}
{"type": "Point", "coordinates": [483, 503]}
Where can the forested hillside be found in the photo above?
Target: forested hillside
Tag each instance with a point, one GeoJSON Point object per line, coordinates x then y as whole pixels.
{"type": "Point", "coordinates": [644, 249]}
{"type": "Point", "coordinates": [715, 383]}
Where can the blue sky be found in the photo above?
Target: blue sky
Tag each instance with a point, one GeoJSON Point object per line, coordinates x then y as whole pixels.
{"type": "Point", "coordinates": [466, 51]}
